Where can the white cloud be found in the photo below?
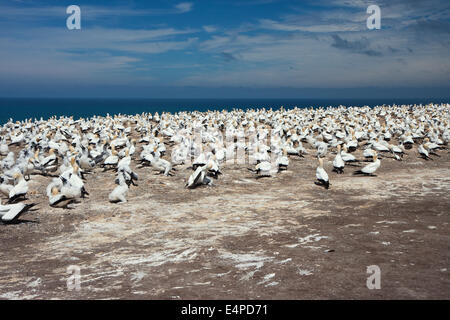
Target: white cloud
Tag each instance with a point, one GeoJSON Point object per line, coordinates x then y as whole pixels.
{"type": "Point", "coordinates": [209, 29]}
{"type": "Point", "coordinates": [323, 28]}
{"type": "Point", "coordinates": [88, 11]}
{"type": "Point", "coordinates": [184, 7]}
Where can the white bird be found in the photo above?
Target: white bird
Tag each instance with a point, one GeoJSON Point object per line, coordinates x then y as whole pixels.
{"type": "Point", "coordinates": [118, 195]}
{"type": "Point", "coordinates": [161, 165]}
{"type": "Point", "coordinates": [111, 161]}
{"type": "Point", "coordinates": [322, 175]}
{"type": "Point", "coordinates": [264, 169]}
{"type": "Point", "coordinates": [125, 161]}
{"type": "Point", "coordinates": [347, 157]}
{"type": "Point", "coordinates": [57, 199]}
{"type": "Point", "coordinates": [73, 186]}
{"type": "Point", "coordinates": [322, 149]}
{"type": "Point", "coordinates": [4, 150]}
{"type": "Point", "coordinates": [20, 188]}
{"type": "Point", "coordinates": [369, 153]}
{"type": "Point", "coordinates": [10, 213]}
{"type": "Point", "coordinates": [199, 177]}
{"type": "Point", "coordinates": [424, 152]}
{"type": "Point", "coordinates": [4, 187]}
{"type": "Point", "coordinates": [338, 163]}
{"type": "Point", "coordinates": [370, 168]}
{"type": "Point", "coordinates": [282, 161]}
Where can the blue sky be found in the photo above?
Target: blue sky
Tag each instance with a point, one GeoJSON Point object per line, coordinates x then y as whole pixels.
{"type": "Point", "coordinates": [242, 48]}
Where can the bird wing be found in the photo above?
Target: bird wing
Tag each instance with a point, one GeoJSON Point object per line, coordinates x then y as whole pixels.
{"type": "Point", "coordinates": [14, 211]}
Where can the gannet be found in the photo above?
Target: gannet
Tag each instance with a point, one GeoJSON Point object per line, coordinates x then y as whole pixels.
{"type": "Point", "coordinates": [4, 150]}
{"type": "Point", "coordinates": [200, 161]}
{"type": "Point", "coordinates": [397, 151]}
{"type": "Point", "coordinates": [48, 164]}
{"type": "Point", "coordinates": [423, 152]}
{"type": "Point", "coordinates": [8, 162]}
{"type": "Point", "coordinates": [10, 213]}
{"type": "Point", "coordinates": [198, 177]}
{"type": "Point", "coordinates": [347, 157]}
{"type": "Point", "coordinates": [369, 153]}
{"type": "Point", "coordinates": [19, 190]}
{"type": "Point", "coordinates": [163, 166]}
{"type": "Point", "coordinates": [322, 149]}
{"type": "Point", "coordinates": [264, 169]}
{"type": "Point", "coordinates": [213, 167]}
{"type": "Point", "coordinates": [57, 199]}
{"type": "Point", "coordinates": [338, 163]}
{"type": "Point", "coordinates": [380, 147]}
{"type": "Point", "coordinates": [85, 162]}
{"type": "Point", "coordinates": [111, 161]}
{"type": "Point", "coordinates": [73, 186]}
{"type": "Point", "coordinates": [322, 175]}
{"type": "Point", "coordinates": [371, 167]}
{"type": "Point", "coordinates": [118, 195]}
{"type": "Point", "coordinates": [430, 146]}
{"type": "Point", "coordinates": [282, 161]}
{"type": "Point", "coordinates": [125, 161]}
{"type": "Point", "coordinates": [4, 187]}
{"type": "Point", "coordinates": [129, 175]}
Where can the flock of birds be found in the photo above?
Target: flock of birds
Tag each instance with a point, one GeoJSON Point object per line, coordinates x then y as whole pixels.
{"type": "Point", "coordinates": [67, 149]}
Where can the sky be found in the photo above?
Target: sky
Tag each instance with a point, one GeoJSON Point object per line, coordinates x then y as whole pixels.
{"type": "Point", "coordinates": [225, 48]}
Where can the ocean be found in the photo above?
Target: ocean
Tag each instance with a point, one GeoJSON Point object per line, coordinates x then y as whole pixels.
{"type": "Point", "coordinates": [36, 108]}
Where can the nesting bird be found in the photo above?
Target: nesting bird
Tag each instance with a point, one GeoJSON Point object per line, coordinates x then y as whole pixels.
{"type": "Point", "coordinates": [338, 163]}
{"type": "Point", "coordinates": [370, 169]}
{"type": "Point", "coordinates": [322, 176]}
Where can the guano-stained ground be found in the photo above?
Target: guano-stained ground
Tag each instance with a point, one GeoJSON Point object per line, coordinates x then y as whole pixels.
{"type": "Point", "coordinates": [271, 238]}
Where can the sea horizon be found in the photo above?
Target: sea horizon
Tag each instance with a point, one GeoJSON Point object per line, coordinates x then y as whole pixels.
{"type": "Point", "coordinates": [19, 109]}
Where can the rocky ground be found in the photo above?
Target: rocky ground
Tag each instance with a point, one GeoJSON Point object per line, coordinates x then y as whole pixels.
{"type": "Point", "coordinates": [243, 238]}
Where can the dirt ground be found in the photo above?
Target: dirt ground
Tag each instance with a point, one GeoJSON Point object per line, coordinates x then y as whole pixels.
{"type": "Point", "coordinates": [243, 238]}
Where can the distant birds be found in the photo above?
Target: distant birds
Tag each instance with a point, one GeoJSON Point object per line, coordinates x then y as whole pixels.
{"type": "Point", "coordinates": [67, 154]}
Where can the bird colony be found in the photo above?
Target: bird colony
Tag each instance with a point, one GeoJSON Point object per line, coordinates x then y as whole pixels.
{"type": "Point", "coordinates": [203, 145]}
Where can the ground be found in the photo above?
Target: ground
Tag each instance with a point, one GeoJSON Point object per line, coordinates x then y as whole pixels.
{"type": "Point", "coordinates": [243, 238]}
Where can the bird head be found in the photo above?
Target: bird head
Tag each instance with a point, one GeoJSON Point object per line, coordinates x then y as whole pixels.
{"type": "Point", "coordinates": [55, 191]}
